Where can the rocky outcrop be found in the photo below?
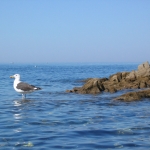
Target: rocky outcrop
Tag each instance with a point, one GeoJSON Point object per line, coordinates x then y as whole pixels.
{"type": "Point", "coordinates": [92, 86]}
{"type": "Point", "coordinates": [122, 80]}
{"type": "Point", "coordinates": [143, 70]}
{"type": "Point", "coordinates": [133, 96]}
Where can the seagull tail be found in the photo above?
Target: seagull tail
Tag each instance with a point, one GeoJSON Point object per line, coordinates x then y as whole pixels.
{"type": "Point", "coordinates": [37, 88]}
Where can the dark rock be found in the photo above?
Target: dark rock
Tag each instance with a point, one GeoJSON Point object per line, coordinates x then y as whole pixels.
{"type": "Point", "coordinates": [74, 90]}
{"type": "Point", "coordinates": [132, 96]}
{"type": "Point", "coordinates": [69, 91]}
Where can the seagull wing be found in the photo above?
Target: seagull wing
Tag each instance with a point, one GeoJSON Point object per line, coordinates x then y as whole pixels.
{"type": "Point", "coordinates": [25, 86]}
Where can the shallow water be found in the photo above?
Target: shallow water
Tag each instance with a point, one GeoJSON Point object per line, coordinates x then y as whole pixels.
{"type": "Point", "coordinates": [54, 119]}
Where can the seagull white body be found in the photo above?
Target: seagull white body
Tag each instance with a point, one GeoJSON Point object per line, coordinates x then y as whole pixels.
{"type": "Point", "coordinates": [21, 87]}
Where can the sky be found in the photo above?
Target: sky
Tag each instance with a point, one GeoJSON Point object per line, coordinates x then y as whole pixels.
{"type": "Point", "coordinates": [74, 31]}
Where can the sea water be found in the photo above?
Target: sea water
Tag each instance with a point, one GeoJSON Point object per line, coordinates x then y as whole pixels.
{"type": "Point", "coordinates": [56, 120]}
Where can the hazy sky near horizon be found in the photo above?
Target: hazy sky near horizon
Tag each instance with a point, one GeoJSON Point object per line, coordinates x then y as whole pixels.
{"type": "Point", "coordinates": [74, 31]}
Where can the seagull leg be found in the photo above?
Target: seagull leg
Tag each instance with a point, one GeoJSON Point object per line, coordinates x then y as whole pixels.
{"type": "Point", "coordinates": [23, 96]}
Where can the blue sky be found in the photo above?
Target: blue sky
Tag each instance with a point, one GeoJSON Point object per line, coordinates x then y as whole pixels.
{"type": "Point", "coordinates": [74, 31]}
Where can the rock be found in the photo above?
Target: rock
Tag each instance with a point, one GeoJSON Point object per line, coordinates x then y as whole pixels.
{"type": "Point", "coordinates": [116, 77]}
{"type": "Point", "coordinates": [110, 85]}
{"type": "Point", "coordinates": [135, 86]}
{"type": "Point", "coordinates": [111, 89]}
{"type": "Point", "coordinates": [69, 91]}
{"type": "Point", "coordinates": [74, 90]}
{"type": "Point", "coordinates": [122, 80]}
{"type": "Point", "coordinates": [143, 70]}
{"type": "Point", "coordinates": [143, 84]}
{"type": "Point", "coordinates": [131, 75]}
{"type": "Point", "coordinates": [132, 96]}
{"type": "Point", "coordinates": [92, 86]}
{"type": "Point", "coordinates": [124, 74]}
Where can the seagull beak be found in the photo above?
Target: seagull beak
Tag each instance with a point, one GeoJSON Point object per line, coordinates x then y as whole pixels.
{"type": "Point", "coordinates": [11, 76]}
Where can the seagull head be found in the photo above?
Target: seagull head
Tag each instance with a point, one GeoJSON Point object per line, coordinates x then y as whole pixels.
{"type": "Point", "coordinates": [16, 76]}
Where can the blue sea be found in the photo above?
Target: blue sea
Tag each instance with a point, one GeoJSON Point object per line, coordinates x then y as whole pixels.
{"type": "Point", "coordinates": [51, 119]}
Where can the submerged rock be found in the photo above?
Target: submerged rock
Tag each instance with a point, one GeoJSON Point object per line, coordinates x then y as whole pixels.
{"type": "Point", "coordinates": [122, 80]}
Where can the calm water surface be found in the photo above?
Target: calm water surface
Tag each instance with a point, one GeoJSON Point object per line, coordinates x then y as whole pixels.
{"type": "Point", "coordinates": [53, 119]}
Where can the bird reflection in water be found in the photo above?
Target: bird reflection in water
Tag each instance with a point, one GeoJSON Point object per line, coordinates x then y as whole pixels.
{"type": "Point", "coordinates": [20, 105]}
{"type": "Point", "coordinates": [21, 102]}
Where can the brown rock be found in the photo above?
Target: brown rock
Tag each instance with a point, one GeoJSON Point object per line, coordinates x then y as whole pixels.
{"type": "Point", "coordinates": [124, 74]}
{"type": "Point", "coordinates": [132, 96]}
{"type": "Point", "coordinates": [143, 84]}
{"type": "Point", "coordinates": [116, 77]}
{"type": "Point", "coordinates": [148, 83]}
{"type": "Point", "coordinates": [69, 91]}
{"type": "Point", "coordinates": [129, 97]}
{"type": "Point", "coordinates": [143, 70]}
{"type": "Point", "coordinates": [131, 76]}
{"type": "Point", "coordinates": [136, 85]}
{"type": "Point", "coordinates": [74, 90]}
{"type": "Point", "coordinates": [93, 86]}
{"type": "Point", "coordinates": [119, 81]}
{"type": "Point", "coordinates": [112, 89]}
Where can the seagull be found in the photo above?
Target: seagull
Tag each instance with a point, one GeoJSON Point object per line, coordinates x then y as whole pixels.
{"type": "Point", "coordinates": [22, 87]}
